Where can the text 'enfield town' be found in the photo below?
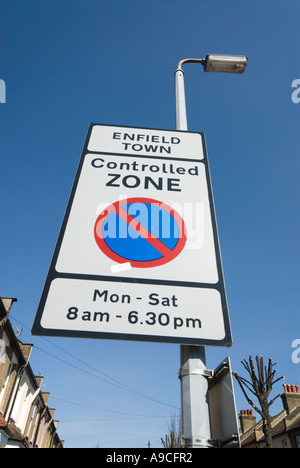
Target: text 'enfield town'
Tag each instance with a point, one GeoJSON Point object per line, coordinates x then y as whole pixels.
{"type": "Point", "coordinates": [141, 142]}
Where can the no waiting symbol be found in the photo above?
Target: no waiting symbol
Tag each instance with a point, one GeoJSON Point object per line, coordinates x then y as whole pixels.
{"type": "Point", "coordinates": [143, 231]}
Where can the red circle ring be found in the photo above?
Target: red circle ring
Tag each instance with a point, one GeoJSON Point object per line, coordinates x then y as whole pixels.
{"type": "Point", "coordinates": [115, 207]}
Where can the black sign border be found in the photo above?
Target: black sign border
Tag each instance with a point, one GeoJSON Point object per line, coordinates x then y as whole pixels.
{"type": "Point", "coordinates": [37, 328]}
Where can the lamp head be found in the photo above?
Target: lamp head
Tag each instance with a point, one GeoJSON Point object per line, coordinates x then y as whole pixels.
{"type": "Point", "coordinates": [225, 63]}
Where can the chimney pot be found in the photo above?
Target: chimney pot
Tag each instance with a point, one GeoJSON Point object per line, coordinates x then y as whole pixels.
{"type": "Point", "coordinates": [247, 419]}
{"type": "Point", "coordinates": [290, 397]}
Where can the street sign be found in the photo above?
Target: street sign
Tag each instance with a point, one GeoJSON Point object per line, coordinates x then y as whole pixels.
{"type": "Point", "coordinates": [222, 407]}
{"type": "Point", "coordinates": [137, 256]}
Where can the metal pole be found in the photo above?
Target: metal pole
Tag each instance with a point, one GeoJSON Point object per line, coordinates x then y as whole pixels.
{"type": "Point", "coordinates": [180, 107]}
{"type": "Point", "coordinates": [194, 386]}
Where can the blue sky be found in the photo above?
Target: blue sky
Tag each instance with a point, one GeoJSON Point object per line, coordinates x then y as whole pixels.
{"type": "Point", "coordinates": [68, 63]}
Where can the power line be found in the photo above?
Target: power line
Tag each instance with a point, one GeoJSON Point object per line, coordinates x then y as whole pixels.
{"type": "Point", "coordinates": [134, 417]}
{"type": "Point", "coordinates": [114, 382]}
{"type": "Point", "coordinates": [139, 416]}
{"type": "Point", "coordinates": [107, 419]}
{"type": "Point", "coordinates": [120, 386]}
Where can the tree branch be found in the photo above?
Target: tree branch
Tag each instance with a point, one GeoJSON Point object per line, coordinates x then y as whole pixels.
{"type": "Point", "coordinates": [246, 396]}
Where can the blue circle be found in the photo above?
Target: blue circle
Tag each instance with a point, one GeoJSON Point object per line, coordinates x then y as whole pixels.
{"type": "Point", "coordinates": [128, 243]}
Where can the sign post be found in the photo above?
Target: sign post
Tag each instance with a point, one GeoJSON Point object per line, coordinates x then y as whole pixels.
{"type": "Point", "coordinates": [194, 384]}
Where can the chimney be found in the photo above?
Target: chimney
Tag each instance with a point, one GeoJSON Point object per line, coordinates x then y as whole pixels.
{"type": "Point", "coordinates": [290, 397]}
{"type": "Point", "coordinates": [247, 420]}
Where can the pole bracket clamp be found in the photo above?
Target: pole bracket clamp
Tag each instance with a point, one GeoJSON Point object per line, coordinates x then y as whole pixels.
{"type": "Point", "coordinates": [205, 372]}
{"type": "Point", "coordinates": [200, 443]}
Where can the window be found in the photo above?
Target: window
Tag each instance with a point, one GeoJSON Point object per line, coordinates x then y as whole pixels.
{"type": "Point", "coordinates": [2, 393]}
{"type": "Point", "coordinates": [32, 418]}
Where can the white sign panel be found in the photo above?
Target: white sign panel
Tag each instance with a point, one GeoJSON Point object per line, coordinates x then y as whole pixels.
{"type": "Point", "coordinates": [138, 255]}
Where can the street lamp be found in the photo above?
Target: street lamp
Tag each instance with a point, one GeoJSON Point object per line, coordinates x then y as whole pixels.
{"type": "Point", "coordinates": [220, 63]}
{"type": "Point", "coordinates": [193, 373]}
{"type": "Point", "coordinates": [211, 63]}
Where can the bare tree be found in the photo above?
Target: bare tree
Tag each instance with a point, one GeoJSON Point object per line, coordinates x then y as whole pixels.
{"type": "Point", "coordinates": [174, 438]}
{"type": "Point", "coordinates": [261, 385]}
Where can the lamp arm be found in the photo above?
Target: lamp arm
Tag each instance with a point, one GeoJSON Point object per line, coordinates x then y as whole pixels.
{"type": "Point", "coordinates": [190, 60]}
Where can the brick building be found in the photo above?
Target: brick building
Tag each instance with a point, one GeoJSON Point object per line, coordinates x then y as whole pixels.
{"type": "Point", "coordinates": [285, 425]}
{"type": "Point", "coordinates": [26, 421]}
